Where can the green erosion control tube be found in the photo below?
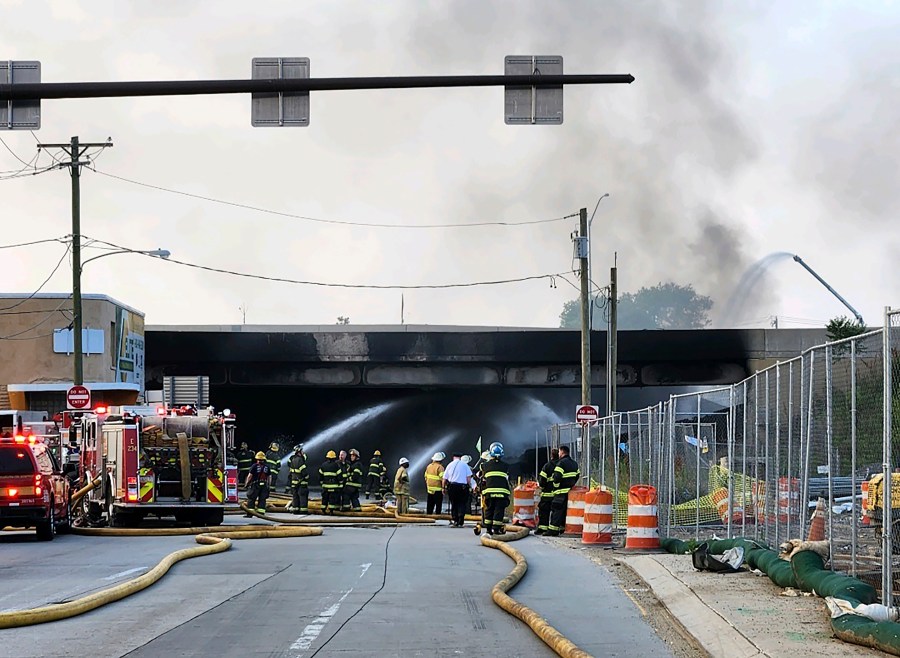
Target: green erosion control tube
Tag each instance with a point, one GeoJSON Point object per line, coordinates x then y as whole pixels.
{"type": "Point", "coordinates": [541, 627]}
{"type": "Point", "coordinates": [807, 571]}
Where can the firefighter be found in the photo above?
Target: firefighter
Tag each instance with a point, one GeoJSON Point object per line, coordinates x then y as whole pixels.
{"type": "Point", "coordinates": [545, 480]}
{"type": "Point", "coordinates": [353, 481]}
{"type": "Point", "coordinates": [376, 470]}
{"type": "Point", "coordinates": [273, 459]}
{"type": "Point", "coordinates": [257, 484]}
{"type": "Point", "coordinates": [345, 473]}
{"type": "Point", "coordinates": [565, 475]}
{"type": "Point", "coordinates": [330, 477]}
{"type": "Point", "coordinates": [401, 487]}
{"type": "Point", "coordinates": [299, 481]}
{"type": "Point", "coordinates": [496, 491]}
{"type": "Point", "coordinates": [434, 483]}
{"type": "Point", "coordinates": [478, 489]}
{"type": "Point", "coordinates": [244, 460]}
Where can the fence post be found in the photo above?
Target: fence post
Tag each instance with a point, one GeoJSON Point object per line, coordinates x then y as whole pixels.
{"type": "Point", "coordinates": [778, 453]}
{"type": "Point", "coordinates": [773, 496]}
{"type": "Point", "coordinates": [829, 436]}
{"type": "Point", "coordinates": [790, 435]}
{"type": "Point", "coordinates": [809, 425]}
{"type": "Point", "coordinates": [854, 517]}
{"type": "Point", "coordinates": [697, 472]}
{"type": "Point", "coordinates": [730, 461]}
{"type": "Point", "coordinates": [887, 593]}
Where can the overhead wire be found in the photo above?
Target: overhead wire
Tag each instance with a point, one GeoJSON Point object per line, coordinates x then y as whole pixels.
{"type": "Point", "coordinates": [331, 284]}
{"type": "Point", "coordinates": [321, 220]}
{"type": "Point", "coordinates": [40, 287]}
{"type": "Point", "coordinates": [50, 314]}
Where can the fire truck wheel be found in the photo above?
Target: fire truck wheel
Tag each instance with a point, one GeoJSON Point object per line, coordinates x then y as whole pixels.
{"type": "Point", "coordinates": [214, 517]}
{"type": "Point", "coordinates": [46, 530]}
{"type": "Point", "coordinates": [65, 525]}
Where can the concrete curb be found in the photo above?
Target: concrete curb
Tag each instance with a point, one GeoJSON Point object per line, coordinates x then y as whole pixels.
{"type": "Point", "coordinates": [715, 634]}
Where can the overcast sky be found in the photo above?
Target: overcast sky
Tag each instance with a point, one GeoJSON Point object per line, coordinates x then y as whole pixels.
{"type": "Point", "coordinates": [748, 131]}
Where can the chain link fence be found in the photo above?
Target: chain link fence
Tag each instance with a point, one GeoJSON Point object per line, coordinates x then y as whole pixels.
{"type": "Point", "coordinates": [755, 459]}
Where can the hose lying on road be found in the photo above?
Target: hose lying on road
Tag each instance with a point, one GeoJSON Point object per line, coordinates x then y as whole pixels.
{"type": "Point", "coordinates": [213, 540]}
{"type": "Point", "coordinates": [344, 518]}
{"type": "Point", "coordinates": [541, 627]}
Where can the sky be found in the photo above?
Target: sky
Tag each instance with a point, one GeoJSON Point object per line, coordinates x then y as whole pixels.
{"type": "Point", "coordinates": [751, 129]}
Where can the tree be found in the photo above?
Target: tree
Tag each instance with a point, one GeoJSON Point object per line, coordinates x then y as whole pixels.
{"type": "Point", "coordinates": [664, 306]}
{"type": "Point", "coordinates": [843, 327]}
{"type": "Point", "coordinates": [343, 320]}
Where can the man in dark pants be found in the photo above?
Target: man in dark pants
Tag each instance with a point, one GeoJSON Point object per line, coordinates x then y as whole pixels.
{"type": "Point", "coordinates": [565, 476]}
{"type": "Point", "coordinates": [496, 490]}
{"type": "Point", "coordinates": [344, 503]}
{"type": "Point", "coordinates": [545, 480]}
{"type": "Point", "coordinates": [377, 470]}
{"type": "Point", "coordinates": [331, 478]}
{"type": "Point", "coordinates": [257, 484]}
{"type": "Point", "coordinates": [353, 481]}
{"type": "Point", "coordinates": [457, 479]}
{"type": "Point", "coordinates": [299, 481]}
{"type": "Point", "coordinates": [244, 460]}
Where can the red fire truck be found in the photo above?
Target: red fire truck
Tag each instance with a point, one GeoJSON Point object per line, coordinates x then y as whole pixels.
{"type": "Point", "coordinates": [154, 465]}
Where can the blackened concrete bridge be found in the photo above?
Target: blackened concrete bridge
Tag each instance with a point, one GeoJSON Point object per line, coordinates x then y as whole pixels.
{"type": "Point", "coordinates": [422, 356]}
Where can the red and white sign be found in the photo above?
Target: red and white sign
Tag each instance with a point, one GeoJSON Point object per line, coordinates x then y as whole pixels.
{"type": "Point", "coordinates": [587, 413]}
{"type": "Point", "coordinates": [78, 397]}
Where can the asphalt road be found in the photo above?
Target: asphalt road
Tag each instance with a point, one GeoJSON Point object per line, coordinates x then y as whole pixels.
{"type": "Point", "coordinates": [413, 591]}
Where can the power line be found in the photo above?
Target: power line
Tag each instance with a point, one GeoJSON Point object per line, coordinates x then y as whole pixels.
{"type": "Point", "coordinates": [14, 154]}
{"type": "Point", "coordinates": [326, 284]}
{"type": "Point", "coordinates": [49, 276]}
{"type": "Point", "coordinates": [34, 242]}
{"type": "Point", "coordinates": [320, 220]}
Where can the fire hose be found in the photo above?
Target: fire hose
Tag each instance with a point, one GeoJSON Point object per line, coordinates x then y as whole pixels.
{"type": "Point", "coordinates": [541, 627]}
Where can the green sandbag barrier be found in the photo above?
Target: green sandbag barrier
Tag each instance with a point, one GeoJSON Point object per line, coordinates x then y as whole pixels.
{"type": "Point", "coordinates": [807, 571]}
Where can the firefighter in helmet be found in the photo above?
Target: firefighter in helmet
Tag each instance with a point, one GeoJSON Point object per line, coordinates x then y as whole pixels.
{"type": "Point", "coordinates": [299, 481]}
{"type": "Point", "coordinates": [257, 484]}
{"type": "Point", "coordinates": [377, 469]}
{"type": "Point", "coordinates": [244, 460]}
{"type": "Point", "coordinates": [331, 479]}
{"type": "Point", "coordinates": [354, 480]}
{"type": "Point", "coordinates": [273, 459]}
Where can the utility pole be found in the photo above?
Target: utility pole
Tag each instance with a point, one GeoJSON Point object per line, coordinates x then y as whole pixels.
{"type": "Point", "coordinates": [75, 149]}
{"type": "Point", "coordinates": [612, 361]}
{"type": "Point", "coordinates": [584, 258]}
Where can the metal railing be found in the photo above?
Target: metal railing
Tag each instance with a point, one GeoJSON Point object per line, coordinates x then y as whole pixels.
{"type": "Point", "coordinates": [753, 459]}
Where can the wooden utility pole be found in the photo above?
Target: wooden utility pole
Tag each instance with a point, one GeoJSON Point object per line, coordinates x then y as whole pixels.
{"type": "Point", "coordinates": [583, 253]}
{"type": "Point", "coordinates": [612, 362]}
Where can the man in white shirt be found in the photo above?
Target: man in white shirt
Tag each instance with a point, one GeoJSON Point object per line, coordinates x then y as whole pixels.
{"type": "Point", "coordinates": [457, 480]}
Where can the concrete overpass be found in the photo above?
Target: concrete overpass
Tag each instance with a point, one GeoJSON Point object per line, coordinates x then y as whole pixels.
{"type": "Point", "coordinates": [413, 356]}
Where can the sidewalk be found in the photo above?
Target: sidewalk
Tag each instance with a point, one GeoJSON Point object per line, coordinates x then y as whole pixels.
{"type": "Point", "coordinates": [739, 615]}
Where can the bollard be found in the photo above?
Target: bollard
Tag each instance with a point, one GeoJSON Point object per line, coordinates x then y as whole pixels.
{"type": "Point", "coordinates": [523, 504]}
{"type": "Point", "coordinates": [598, 513]}
{"type": "Point", "coordinates": [643, 526]}
{"type": "Point", "coordinates": [864, 488]}
{"type": "Point", "coordinates": [788, 499]}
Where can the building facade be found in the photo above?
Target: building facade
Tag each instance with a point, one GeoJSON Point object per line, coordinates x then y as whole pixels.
{"type": "Point", "coordinates": [37, 351]}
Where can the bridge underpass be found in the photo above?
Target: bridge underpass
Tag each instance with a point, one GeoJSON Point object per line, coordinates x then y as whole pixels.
{"type": "Point", "coordinates": [409, 391]}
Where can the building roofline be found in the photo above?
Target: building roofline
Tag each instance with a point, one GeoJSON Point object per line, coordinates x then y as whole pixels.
{"type": "Point", "coordinates": [336, 328]}
{"type": "Point", "coordinates": [65, 295]}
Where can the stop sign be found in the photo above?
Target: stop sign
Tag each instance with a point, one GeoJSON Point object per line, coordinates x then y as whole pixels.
{"type": "Point", "coordinates": [587, 413]}
{"type": "Point", "coordinates": [78, 397]}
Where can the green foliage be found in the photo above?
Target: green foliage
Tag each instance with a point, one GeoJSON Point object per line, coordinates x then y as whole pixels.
{"type": "Point", "coordinates": [343, 320]}
{"type": "Point", "coordinates": [663, 306]}
{"type": "Point", "coordinates": [843, 327]}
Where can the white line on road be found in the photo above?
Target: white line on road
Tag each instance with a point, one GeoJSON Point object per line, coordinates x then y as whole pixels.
{"type": "Point", "coordinates": [125, 573]}
{"type": "Point", "coordinates": [365, 568]}
{"type": "Point", "coordinates": [312, 630]}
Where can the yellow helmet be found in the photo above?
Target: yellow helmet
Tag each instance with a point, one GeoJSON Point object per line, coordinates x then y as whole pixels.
{"type": "Point", "coordinates": [330, 455]}
{"type": "Point", "coordinates": [260, 455]}
{"type": "Point", "coordinates": [273, 446]}
{"type": "Point", "coordinates": [378, 453]}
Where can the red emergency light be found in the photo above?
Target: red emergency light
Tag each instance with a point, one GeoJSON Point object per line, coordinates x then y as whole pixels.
{"type": "Point", "coordinates": [100, 410]}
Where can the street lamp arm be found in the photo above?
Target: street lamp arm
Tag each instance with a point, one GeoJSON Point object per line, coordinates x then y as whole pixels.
{"type": "Point", "coordinates": [159, 253]}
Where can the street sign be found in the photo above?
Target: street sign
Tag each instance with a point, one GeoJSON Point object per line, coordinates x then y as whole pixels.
{"type": "Point", "coordinates": [280, 108]}
{"type": "Point", "coordinates": [78, 397]}
{"type": "Point", "coordinates": [20, 115]}
{"type": "Point", "coordinates": [533, 105]}
{"type": "Point", "coordinates": [587, 413]}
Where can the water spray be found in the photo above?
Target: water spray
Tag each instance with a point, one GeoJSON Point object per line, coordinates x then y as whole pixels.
{"type": "Point", "coordinates": [426, 456]}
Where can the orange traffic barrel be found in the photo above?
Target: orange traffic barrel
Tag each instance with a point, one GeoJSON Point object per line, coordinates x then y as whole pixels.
{"type": "Point", "coordinates": [720, 498]}
{"type": "Point", "coordinates": [598, 514]}
{"type": "Point", "coordinates": [788, 498]}
{"type": "Point", "coordinates": [817, 523]}
{"type": "Point", "coordinates": [864, 487]}
{"type": "Point", "coordinates": [643, 526]}
{"type": "Point", "coordinates": [575, 511]}
{"type": "Point", "coordinates": [523, 504]}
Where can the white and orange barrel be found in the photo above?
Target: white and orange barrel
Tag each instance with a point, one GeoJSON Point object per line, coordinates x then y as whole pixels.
{"type": "Point", "coordinates": [523, 504]}
{"type": "Point", "coordinates": [720, 498]}
{"type": "Point", "coordinates": [598, 516]}
{"type": "Point", "coordinates": [575, 511]}
{"type": "Point", "coordinates": [643, 524]}
{"type": "Point", "coordinates": [759, 500]}
{"type": "Point", "coordinates": [864, 487]}
{"type": "Point", "coordinates": [788, 499]}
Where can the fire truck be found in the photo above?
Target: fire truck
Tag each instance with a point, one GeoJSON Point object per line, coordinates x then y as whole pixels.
{"type": "Point", "coordinates": [170, 463]}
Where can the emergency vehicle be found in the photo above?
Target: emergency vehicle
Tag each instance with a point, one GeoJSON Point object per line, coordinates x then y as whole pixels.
{"type": "Point", "coordinates": [154, 465]}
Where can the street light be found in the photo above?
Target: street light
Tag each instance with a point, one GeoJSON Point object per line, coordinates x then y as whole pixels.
{"type": "Point", "coordinates": [77, 268]}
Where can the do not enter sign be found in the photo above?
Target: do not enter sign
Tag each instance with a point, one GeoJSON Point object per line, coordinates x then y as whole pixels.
{"type": "Point", "coordinates": [587, 413]}
{"type": "Point", "coordinates": [78, 397]}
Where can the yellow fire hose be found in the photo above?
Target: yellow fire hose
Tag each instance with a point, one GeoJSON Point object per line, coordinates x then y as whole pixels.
{"type": "Point", "coordinates": [541, 627]}
{"type": "Point", "coordinates": [381, 518]}
{"type": "Point", "coordinates": [212, 540]}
